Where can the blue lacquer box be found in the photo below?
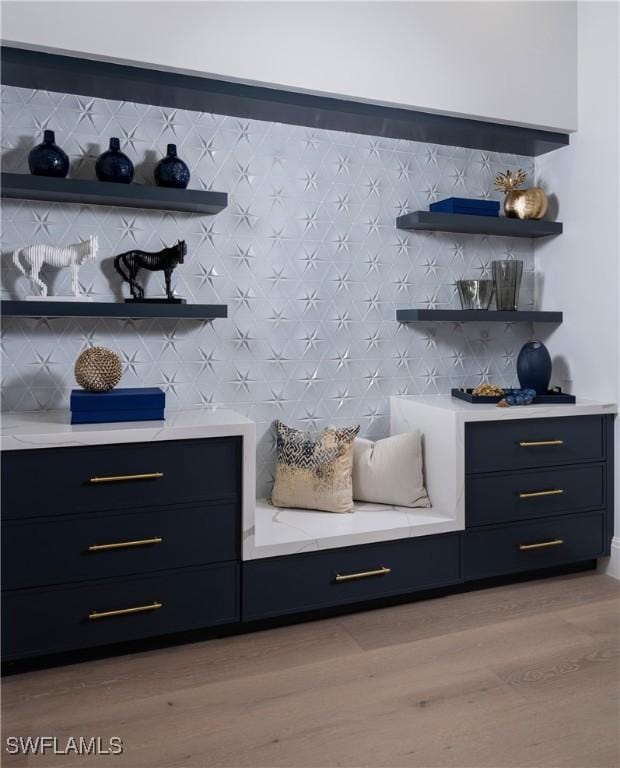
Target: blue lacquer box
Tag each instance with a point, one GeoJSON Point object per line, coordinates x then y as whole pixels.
{"type": "Point", "coordinates": [129, 404]}
{"type": "Point", "coordinates": [466, 205]}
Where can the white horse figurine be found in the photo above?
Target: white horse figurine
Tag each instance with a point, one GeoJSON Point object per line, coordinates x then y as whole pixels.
{"type": "Point", "coordinates": [56, 256]}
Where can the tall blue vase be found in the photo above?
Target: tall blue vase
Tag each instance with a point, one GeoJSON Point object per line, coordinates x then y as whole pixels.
{"type": "Point", "coordinates": [48, 159]}
{"type": "Point", "coordinates": [534, 367]}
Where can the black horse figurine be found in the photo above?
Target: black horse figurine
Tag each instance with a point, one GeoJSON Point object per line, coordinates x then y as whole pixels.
{"type": "Point", "coordinates": [130, 263]}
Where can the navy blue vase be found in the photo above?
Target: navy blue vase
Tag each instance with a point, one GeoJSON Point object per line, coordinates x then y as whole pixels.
{"type": "Point", "coordinates": [48, 159]}
{"type": "Point", "coordinates": [113, 165]}
{"type": "Point", "coordinates": [171, 171]}
{"type": "Point", "coordinates": [534, 367]}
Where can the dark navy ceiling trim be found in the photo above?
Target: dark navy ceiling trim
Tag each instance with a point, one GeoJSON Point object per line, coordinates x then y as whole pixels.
{"type": "Point", "coordinates": [87, 77]}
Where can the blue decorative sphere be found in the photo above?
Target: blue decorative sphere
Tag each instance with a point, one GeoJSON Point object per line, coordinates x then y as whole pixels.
{"type": "Point", "coordinates": [113, 165]}
{"type": "Point", "coordinates": [534, 367]}
{"type": "Point", "coordinates": [48, 159]}
{"type": "Point", "coordinates": [171, 171]}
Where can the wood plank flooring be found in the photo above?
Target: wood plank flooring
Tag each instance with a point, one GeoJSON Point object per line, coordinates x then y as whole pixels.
{"type": "Point", "coordinates": [523, 675]}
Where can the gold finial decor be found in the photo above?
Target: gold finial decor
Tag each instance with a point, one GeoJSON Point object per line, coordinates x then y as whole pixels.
{"type": "Point", "coordinates": [521, 203]}
{"type": "Point", "coordinates": [510, 180]}
{"type": "Point", "coordinates": [98, 369]}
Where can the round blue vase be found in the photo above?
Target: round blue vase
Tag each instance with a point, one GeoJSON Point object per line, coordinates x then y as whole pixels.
{"type": "Point", "coordinates": [534, 367]}
{"type": "Point", "coordinates": [113, 165]}
{"type": "Point", "coordinates": [171, 171]}
{"type": "Point", "coordinates": [48, 159]}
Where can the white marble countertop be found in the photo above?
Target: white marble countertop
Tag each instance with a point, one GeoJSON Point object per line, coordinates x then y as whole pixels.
{"type": "Point", "coordinates": [267, 531]}
{"type": "Point", "coordinates": [488, 412]}
{"type": "Point", "coordinates": [52, 429]}
{"type": "Point", "coordinates": [291, 531]}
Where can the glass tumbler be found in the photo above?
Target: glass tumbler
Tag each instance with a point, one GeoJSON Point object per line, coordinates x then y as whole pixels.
{"type": "Point", "coordinates": [507, 276]}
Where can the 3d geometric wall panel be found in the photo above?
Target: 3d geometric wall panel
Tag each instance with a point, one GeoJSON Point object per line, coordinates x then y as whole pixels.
{"type": "Point", "coordinates": [307, 256]}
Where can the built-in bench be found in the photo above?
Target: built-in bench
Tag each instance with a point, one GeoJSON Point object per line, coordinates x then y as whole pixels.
{"type": "Point", "coordinates": [132, 530]}
{"type": "Point", "coordinates": [290, 531]}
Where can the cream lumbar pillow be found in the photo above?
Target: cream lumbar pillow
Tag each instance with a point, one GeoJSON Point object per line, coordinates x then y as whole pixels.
{"type": "Point", "coordinates": [389, 471]}
{"type": "Point", "coordinates": [313, 469]}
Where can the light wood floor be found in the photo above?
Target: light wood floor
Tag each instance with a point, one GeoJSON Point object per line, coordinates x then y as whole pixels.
{"type": "Point", "coordinates": [523, 675]}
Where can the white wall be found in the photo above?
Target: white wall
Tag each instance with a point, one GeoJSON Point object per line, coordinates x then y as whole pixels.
{"type": "Point", "coordinates": [504, 61]}
{"type": "Point", "coordinates": [580, 269]}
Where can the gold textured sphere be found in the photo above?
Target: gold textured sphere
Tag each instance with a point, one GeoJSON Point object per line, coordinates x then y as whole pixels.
{"type": "Point", "coordinates": [525, 203]}
{"type": "Point", "coordinates": [98, 369]}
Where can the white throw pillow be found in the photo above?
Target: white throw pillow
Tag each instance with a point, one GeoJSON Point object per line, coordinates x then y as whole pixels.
{"type": "Point", "coordinates": [389, 471]}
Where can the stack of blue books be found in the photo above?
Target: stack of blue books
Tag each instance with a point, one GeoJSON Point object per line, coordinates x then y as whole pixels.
{"type": "Point", "coordinates": [136, 404]}
{"type": "Point", "coordinates": [466, 205]}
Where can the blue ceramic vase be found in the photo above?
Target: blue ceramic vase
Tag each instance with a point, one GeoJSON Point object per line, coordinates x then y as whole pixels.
{"type": "Point", "coordinates": [171, 171]}
{"type": "Point", "coordinates": [113, 165]}
{"type": "Point", "coordinates": [534, 367]}
{"type": "Point", "coordinates": [48, 159]}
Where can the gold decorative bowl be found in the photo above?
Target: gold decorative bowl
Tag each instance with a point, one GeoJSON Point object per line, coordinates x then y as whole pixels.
{"type": "Point", "coordinates": [525, 203]}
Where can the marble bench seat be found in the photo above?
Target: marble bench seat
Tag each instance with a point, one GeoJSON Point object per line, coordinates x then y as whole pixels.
{"type": "Point", "coordinates": [291, 531]}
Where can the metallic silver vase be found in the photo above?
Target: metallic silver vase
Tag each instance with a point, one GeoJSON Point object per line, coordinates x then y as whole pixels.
{"type": "Point", "coordinates": [475, 294]}
{"type": "Point", "coordinates": [507, 276]}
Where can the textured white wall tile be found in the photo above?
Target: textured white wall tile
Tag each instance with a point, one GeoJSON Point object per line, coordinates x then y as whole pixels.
{"type": "Point", "coordinates": [307, 256]}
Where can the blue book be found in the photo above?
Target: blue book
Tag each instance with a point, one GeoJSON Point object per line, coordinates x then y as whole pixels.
{"type": "Point", "coordinates": [123, 399]}
{"type": "Point", "coordinates": [467, 206]}
{"type": "Point", "coordinates": [104, 417]}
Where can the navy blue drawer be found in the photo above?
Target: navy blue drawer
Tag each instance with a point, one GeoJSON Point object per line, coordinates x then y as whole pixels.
{"type": "Point", "coordinates": [285, 585]}
{"type": "Point", "coordinates": [528, 546]}
{"type": "Point", "coordinates": [71, 548]}
{"type": "Point", "coordinates": [41, 621]}
{"type": "Point", "coordinates": [531, 443]}
{"type": "Point", "coordinates": [59, 481]}
{"type": "Point", "coordinates": [529, 494]}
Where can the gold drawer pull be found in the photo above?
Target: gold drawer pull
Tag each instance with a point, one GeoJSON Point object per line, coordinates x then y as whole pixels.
{"type": "Point", "coordinates": [383, 571]}
{"type": "Point", "coordinates": [125, 544]}
{"type": "Point", "coordinates": [535, 443]}
{"type": "Point", "coordinates": [542, 544]}
{"type": "Point", "coordinates": [124, 611]}
{"type": "Point", "coordinates": [121, 478]}
{"type": "Point", "coordinates": [537, 494]}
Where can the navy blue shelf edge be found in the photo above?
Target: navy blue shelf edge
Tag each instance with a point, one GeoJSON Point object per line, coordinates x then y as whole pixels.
{"type": "Point", "coordinates": [112, 309]}
{"type": "Point", "coordinates": [23, 186]}
{"type": "Point", "coordinates": [106, 80]}
{"type": "Point", "coordinates": [465, 223]}
{"type": "Point", "coordinates": [476, 316]}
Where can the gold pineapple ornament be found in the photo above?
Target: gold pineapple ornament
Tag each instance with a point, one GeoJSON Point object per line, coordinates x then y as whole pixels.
{"type": "Point", "coordinates": [98, 369]}
{"type": "Point", "coordinates": [521, 203]}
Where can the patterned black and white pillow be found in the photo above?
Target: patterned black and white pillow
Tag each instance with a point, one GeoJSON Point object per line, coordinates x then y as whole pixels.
{"type": "Point", "coordinates": [313, 469]}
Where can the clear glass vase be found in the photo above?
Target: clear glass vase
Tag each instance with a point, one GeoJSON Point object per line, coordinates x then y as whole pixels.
{"type": "Point", "coordinates": [507, 276]}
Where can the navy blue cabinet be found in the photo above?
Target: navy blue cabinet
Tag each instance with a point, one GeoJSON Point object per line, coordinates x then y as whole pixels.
{"type": "Point", "coordinates": [95, 546]}
{"type": "Point", "coordinates": [284, 585]}
{"type": "Point", "coordinates": [532, 443]}
{"type": "Point", "coordinates": [104, 477]}
{"type": "Point", "coordinates": [510, 496]}
{"type": "Point", "coordinates": [516, 547]}
{"type": "Point", "coordinates": [51, 619]}
{"type": "Point", "coordinates": [539, 493]}
{"type": "Point", "coordinates": [118, 542]}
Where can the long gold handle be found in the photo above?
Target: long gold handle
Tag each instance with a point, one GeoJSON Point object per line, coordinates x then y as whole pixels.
{"type": "Point", "coordinates": [125, 544]}
{"type": "Point", "coordinates": [121, 478]}
{"type": "Point", "coordinates": [363, 574]}
{"type": "Point", "coordinates": [124, 611]}
{"type": "Point", "coordinates": [537, 494]}
{"type": "Point", "coordinates": [535, 443]}
{"type": "Point", "coordinates": [542, 544]}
